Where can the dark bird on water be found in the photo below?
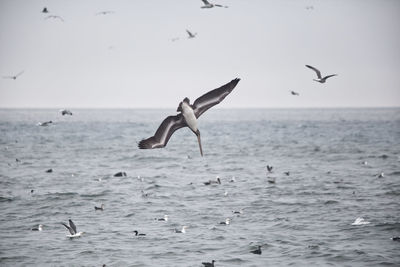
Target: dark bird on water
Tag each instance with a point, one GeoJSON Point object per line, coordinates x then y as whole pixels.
{"type": "Point", "coordinates": [65, 112]}
{"type": "Point", "coordinates": [49, 170]}
{"type": "Point", "coordinates": [208, 264]}
{"type": "Point", "coordinates": [99, 208]}
{"type": "Point", "coordinates": [188, 116]}
{"type": "Point", "coordinates": [257, 251]}
{"type": "Point", "coordinates": [14, 77]}
{"type": "Point", "coordinates": [120, 174]}
{"type": "Point", "coordinates": [45, 10]}
{"type": "Point", "coordinates": [210, 182]}
{"type": "Point", "coordinates": [320, 78]}
{"type": "Point", "coordinates": [137, 233]}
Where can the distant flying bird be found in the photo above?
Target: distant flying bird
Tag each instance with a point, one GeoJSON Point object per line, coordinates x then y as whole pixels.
{"type": "Point", "coordinates": [191, 35]}
{"type": "Point", "coordinates": [269, 168]}
{"type": "Point", "coordinates": [54, 17]}
{"type": "Point", "coordinates": [320, 78]}
{"type": "Point", "coordinates": [210, 5]}
{"type": "Point", "coordinates": [294, 93]}
{"type": "Point", "coordinates": [188, 116]}
{"type": "Point", "coordinates": [14, 77]}
{"type": "Point", "coordinates": [45, 10]}
{"type": "Point", "coordinates": [72, 229]}
{"type": "Point", "coordinates": [208, 264]}
{"type": "Point", "coordinates": [174, 39]}
{"type": "Point", "coordinates": [104, 13]}
{"type": "Point", "coordinates": [65, 112]}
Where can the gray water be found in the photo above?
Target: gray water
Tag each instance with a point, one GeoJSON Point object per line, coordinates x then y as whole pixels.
{"type": "Point", "coordinates": [301, 219]}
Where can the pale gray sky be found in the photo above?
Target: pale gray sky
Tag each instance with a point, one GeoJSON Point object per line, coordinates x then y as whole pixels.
{"type": "Point", "coordinates": [127, 59]}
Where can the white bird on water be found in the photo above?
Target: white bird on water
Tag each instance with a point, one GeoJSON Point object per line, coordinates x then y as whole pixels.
{"type": "Point", "coordinates": [39, 228]}
{"type": "Point", "coordinates": [320, 78]}
{"type": "Point", "coordinates": [360, 221]}
{"type": "Point", "coordinates": [72, 229]}
{"type": "Point", "coordinates": [181, 231]}
{"type": "Point", "coordinates": [188, 117]}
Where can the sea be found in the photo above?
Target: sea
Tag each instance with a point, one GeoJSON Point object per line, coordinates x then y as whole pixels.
{"type": "Point", "coordinates": [330, 167]}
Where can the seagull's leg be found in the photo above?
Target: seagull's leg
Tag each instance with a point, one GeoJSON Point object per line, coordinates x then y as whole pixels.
{"type": "Point", "coordinates": [198, 139]}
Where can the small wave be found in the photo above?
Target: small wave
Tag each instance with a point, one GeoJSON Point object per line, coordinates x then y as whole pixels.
{"type": "Point", "coordinates": [360, 221]}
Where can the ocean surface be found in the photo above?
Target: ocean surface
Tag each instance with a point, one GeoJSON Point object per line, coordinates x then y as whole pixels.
{"type": "Point", "coordinates": [333, 157]}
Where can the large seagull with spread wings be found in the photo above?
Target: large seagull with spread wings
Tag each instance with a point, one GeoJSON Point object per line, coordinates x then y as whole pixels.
{"type": "Point", "coordinates": [188, 116]}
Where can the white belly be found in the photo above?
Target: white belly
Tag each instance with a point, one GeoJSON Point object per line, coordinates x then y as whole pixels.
{"type": "Point", "coordinates": [189, 116]}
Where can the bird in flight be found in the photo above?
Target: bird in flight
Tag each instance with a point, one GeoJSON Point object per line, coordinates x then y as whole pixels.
{"type": "Point", "coordinates": [191, 35]}
{"type": "Point", "coordinates": [104, 13]}
{"type": "Point", "coordinates": [14, 77]}
{"type": "Point", "coordinates": [189, 113]}
{"type": "Point", "coordinates": [54, 17]}
{"type": "Point", "coordinates": [294, 93]}
{"type": "Point", "coordinates": [320, 78]}
{"type": "Point", "coordinates": [210, 5]}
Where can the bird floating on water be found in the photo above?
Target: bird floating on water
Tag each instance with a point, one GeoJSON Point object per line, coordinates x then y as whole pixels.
{"type": "Point", "coordinates": [120, 174]}
{"type": "Point", "coordinates": [65, 112]}
{"type": "Point", "coordinates": [72, 229]}
{"type": "Point", "coordinates": [320, 78]}
{"type": "Point", "coordinates": [226, 222]}
{"type": "Point", "coordinates": [46, 123]}
{"type": "Point", "coordinates": [49, 171]}
{"type": "Point", "coordinates": [257, 251]}
{"type": "Point", "coordinates": [208, 264]}
{"type": "Point", "coordinates": [39, 228]}
{"type": "Point", "coordinates": [216, 181]}
{"type": "Point", "coordinates": [45, 10]}
{"type": "Point", "coordinates": [188, 116]}
{"type": "Point", "coordinates": [99, 208]}
{"type": "Point", "coordinates": [165, 219]}
{"type": "Point", "coordinates": [181, 231]}
{"type": "Point", "coordinates": [211, 5]}
{"type": "Point", "coordinates": [137, 233]}
{"type": "Point", "coordinates": [191, 35]}
{"type": "Point", "coordinates": [14, 77]}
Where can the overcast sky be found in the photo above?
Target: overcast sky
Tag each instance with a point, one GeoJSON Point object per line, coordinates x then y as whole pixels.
{"type": "Point", "coordinates": [127, 59]}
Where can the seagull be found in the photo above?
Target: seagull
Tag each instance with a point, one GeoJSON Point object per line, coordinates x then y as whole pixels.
{"type": "Point", "coordinates": [72, 229]}
{"type": "Point", "coordinates": [191, 35]}
{"type": "Point", "coordinates": [120, 174]}
{"type": "Point", "coordinates": [137, 233]}
{"type": "Point", "coordinates": [210, 5]}
{"type": "Point", "coordinates": [181, 231]}
{"type": "Point", "coordinates": [65, 112]}
{"type": "Point", "coordinates": [49, 171]}
{"type": "Point", "coordinates": [14, 77]}
{"type": "Point", "coordinates": [320, 78]}
{"type": "Point", "coordinates": [226, 222]}
{"type": "Point", "coordinates": [174, 39]}
{"type": "Point", "coordinates": [381, 175]}
{"type": "Point", "coordinates": [271, 180]}
{"type": "Point", "coordinates": [257, 251]}
{"type": "Point", "coordinates": [217, 181]}
{"type": "Point", "coordinates": [99, 208]}
{"type": "Point", "coordinates": [54, 17]}
{"type": "Point", "coordinates": [237, 211]}
{"type": "Point", "coordinates": [39, 228]}
{"type": "Point", "coordinates": [188, 116]}
{"type": "Point", "coordinates": [294, 93]}
{"type": "Point", "coordinates": [287, 173]}
{"type": "Point", "coordinates": [45, 10]}
{"type": "Point", "coordinates": [208, 264]}
{"type": "Point", "coordinates": [165, 219]}
{"type": "Point", "coordinates": [104, 13]}
{"type": "Point", "coordinates": [46, 123]}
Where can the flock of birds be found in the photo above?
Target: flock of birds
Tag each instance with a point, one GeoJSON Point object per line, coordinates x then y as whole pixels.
{"type": "Point", "coordinates": [187, 117]}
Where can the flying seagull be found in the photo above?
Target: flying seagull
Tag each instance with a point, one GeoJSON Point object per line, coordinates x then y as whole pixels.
{"type": "Point", "coordinates": [14, 77]}
{"type": "Point", "coordinates": [210, 5]}
{"type": "Point", "coordinates": [54, 17]}
{"type": "Point", "coordinates": [294, 93]}
{"type": "Point", "coordinates": [105, 13]}
{"type": "Point", "coordinates": [72, 229]}
{"type": "Point", "coordinates": [188, 116]}
{"type": "Point", "coordinates": [320, 78]}
{"type": "Point", "coordinates": [191, 35]}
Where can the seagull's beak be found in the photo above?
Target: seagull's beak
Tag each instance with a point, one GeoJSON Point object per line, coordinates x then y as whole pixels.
{"type": "Point", "coordinates": [198, 139]}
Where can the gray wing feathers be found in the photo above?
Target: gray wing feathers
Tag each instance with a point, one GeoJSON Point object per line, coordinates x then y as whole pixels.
{"type": "Point", "coordinates": [316, 70]}
{"type": "Point", "coordinates": [212, 98]}
{"type": "Point", "coordinates": [163, 133]}
{"type": "Point", "coordinates": [72, 225]}
{"type": "Point", "coordinates": [69, 229]}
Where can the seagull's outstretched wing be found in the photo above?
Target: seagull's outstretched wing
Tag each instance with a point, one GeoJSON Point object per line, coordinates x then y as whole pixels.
{"type": "Point", "coordinates": [72, 225]}
{"type": "Point", "coordinates": [210, 99]}
{"type": "Point", "coordinates": [164, 132]}
{"type": "Point", "coordinates": [19, 73]}
{"type": "Point", "coordinates": [316, 70]}
{"type": "Point", "coordinates": [328, 76]}
{"type": "Point", "coordinates": [69, 229]}
{"type": "Point", "coordinates": [190, 34]}
{"type": "Point", "coordinates": [205, 2]}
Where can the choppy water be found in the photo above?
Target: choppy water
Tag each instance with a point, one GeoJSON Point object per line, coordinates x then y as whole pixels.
{"type": "Point", "coordinates": [302, 219]}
